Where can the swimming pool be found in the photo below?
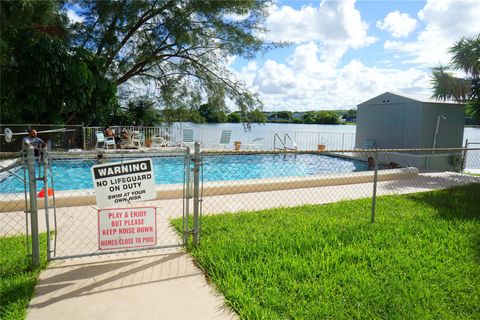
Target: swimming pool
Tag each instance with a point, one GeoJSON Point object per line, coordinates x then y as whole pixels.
{"type": "Point", "coordinates": [74, 174]}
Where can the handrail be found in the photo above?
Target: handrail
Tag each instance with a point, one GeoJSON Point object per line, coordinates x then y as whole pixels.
{"type": "Point", "coordinates": [283, 142]}
{"type": "Point", "coordinates": [275, 140]}
{"type": "Point", "coordinates": [291, 140]}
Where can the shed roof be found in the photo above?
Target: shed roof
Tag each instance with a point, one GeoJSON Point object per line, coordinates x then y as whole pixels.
{"type": "Point", "coordinates": [415, 97]}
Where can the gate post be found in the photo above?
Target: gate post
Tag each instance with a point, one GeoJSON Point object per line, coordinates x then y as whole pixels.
{"type": "Point", "coordinates": [45, 193]}
{"type": "Point", "coordinates": [196, 194]}
{"type": "Point", "coordinates": [32, 186]}
{"type": "Point", "coordinates": [84, 137]}
{"type": "Point", "coordinates": [187, 197]}
{"type": "Point", "coordinates": [464, 160]}
{"type": "Point", "coordinates": [375, 178]}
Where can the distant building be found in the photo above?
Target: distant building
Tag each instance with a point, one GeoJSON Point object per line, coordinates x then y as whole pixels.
{"type": "Point", "coordinates": [297, 115]}
{"type": "Point", "coordinates": [349, 119]}
{"type": "Point", "coordinates": [399, 121]}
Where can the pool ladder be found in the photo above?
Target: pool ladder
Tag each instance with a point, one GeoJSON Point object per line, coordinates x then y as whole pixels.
{"type": "Point", "coordinates": [283, 143]}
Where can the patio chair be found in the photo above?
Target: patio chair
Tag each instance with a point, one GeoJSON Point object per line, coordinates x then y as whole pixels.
{"type": "Point", "coordinates": [138, 139]}
{"type": "Point", "coordinates": [368, 144]}
{"type": "Point", "coordinates": [255, 144]}
{"type": "Point", "coordinates": [105, 141]}
{"type": "Point", "coordinates": [160, 142]}
{"type": "Point", "coordinates": [224, 139]}
{"type": "Point", "coordinates": [187, 138]}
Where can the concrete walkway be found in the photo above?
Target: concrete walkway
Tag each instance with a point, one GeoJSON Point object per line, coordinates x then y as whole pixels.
{"type": "Point", "coordinates": [162, 285]}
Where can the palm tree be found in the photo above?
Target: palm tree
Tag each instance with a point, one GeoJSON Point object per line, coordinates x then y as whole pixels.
{"type": "Point", "coordinates": [446, 86]}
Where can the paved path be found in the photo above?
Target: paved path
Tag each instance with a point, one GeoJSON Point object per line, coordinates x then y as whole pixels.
{"type": "Point", "coordinates": [158, 286]}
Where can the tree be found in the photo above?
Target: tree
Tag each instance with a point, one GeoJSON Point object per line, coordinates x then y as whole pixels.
{"type": "Point", "coordinates": [43, 80]}
{"type": "Point", "coordinates": [466, 57]}
{"type": "Point", "coordinates": [141, 112]}
{"type": "Point", "coordinates": [212, 113]}
{"type": "Point", "coordinates": [180, 45]}
{"type": "Point", "coordinates": [326, 117]}
{"type": "Point", "coordinates": [234, 117]}
{"type": "Point", "coordinates": [309, 117]}
{"type": "Point", "coordinates": [255, 116]}
{"type": "Point", "coordinates": [350, 113]}
{"type": "Point", "coordinates": [182, 114]}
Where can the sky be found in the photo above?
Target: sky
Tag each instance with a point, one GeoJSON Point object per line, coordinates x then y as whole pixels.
{"type": "Point", "coordinates": [345, 52]}
{"type": "Point", "coordinates": [342, 53]}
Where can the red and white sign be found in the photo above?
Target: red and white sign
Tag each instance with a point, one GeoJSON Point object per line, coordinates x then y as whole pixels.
{"type": "Point", "coordinates": [121, 228]}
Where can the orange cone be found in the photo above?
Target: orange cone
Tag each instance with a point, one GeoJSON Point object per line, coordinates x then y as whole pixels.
{"type": "Point", "coordinates": [41, 194]}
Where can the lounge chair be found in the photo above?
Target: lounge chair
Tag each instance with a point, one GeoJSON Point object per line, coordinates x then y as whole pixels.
{"type": "Point", "coordinates": [187, 138]}
{"type": "Point", "coordinates": [255, 144]}
{"type": "Point", "coordinates": [160, 142]}
{"type": "Point", "coordinates": [368, 144]}
{"type": "Point", "coordinates": [224, 139]}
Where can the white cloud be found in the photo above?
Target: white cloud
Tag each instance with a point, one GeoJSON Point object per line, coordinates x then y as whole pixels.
{"type": "Point", "coordinates": [392, 44]}
{"type": "Point", "coordinates": [73, 16]}
{"type": "Point", "coordinates": [337, 25]}
{"type": "Point", "coordinates": [446, 21]}
{"type": "Point", "coordinates": [237, 17]}
{"type": "Point", "coordinates": [273, 78]}
{"type": "Point", "coordinates": [307, 86]}
{"type": "Point", "coordinates": [398, 24]}
{"type": "Point", "coordinates": [305, 60]}
{"type": "Point", "coordinates": [313, 78]}
{"type": "Point", "coordinates": [250, 67]}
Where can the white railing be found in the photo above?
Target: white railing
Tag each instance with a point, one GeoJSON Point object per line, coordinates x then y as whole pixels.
{"type": "Point", "coordinates": [304, 140]}
{"type": "Point", "coordinates": [170, 134]}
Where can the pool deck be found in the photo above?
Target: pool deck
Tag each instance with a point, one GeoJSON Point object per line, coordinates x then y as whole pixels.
{"type": "Point", "coordinates": [165, 284]}
{"type": "Point", "coordinates": [72, 198]}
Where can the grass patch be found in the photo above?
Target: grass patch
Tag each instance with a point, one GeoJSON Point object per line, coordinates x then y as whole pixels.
{"type": "Point", "coordinates": [17, 275]}
{"type": "Point", "coordinates": [421, 258]}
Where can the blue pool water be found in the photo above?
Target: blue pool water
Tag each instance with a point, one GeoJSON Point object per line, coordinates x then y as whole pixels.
{"type": "Point", "coordinates": [76, 175]}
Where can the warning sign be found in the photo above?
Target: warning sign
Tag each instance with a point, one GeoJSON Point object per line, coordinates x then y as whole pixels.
{"type": "Point", "coordinates": [122, 228]}
{"type": "Point", "coordinates": [123, 182]}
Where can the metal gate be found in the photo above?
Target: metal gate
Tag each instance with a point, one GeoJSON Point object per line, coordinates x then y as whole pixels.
{"type": "Point", "coordinates": [70, 213]}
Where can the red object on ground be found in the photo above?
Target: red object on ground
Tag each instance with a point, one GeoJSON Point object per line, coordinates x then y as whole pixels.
{"type": "Point", "coordinates": [41, 194]}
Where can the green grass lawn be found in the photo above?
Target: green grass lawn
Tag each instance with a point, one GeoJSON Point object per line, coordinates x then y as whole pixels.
{"type": "Point", "coordinates": [17, 276]}
{"type": "Point", "coordinates": [420, 260]}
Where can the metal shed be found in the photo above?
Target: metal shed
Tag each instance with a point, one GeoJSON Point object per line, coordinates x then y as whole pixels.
{"type": "Point", "coordinates": [399, 121]}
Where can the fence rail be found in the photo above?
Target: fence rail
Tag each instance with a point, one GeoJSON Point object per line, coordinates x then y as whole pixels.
{"type": "Point", "coordinates": [80, 137]}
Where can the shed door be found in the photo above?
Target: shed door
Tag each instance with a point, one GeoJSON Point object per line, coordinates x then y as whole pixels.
{"type": "Point", "coordinates": [390, 124]}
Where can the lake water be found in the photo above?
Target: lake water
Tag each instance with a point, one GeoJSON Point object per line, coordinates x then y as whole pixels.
{"type": "Point", "coordinates": [307, 136]}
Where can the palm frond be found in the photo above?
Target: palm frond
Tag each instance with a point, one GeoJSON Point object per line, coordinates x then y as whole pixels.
{"type": "Point", "coordinates": [448, 87]}
{"type": "Point", "coordinates": [466, 56]}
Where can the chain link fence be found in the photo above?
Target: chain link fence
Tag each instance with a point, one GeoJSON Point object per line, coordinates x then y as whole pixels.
{"type": "Point", "coordinates": [13, 188]}
{"type": "Point", "coordinates": [67, 206]}
{"type": "Point", "coordinates": [261, 180]}
{"type": "Point", "coordinates": [226, 181]}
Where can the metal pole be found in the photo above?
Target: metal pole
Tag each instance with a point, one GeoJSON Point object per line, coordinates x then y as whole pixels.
{"type": "Point", "coordinates": [33, 206]}
{"type": "Point", "coordinates": [83, 137]}
{"type": "Point", "coordinates": [375, 176]}
{"type": "Point", "coordinates": [464, 160]}
{"type": "Point", "coordinates": [187, 197]}
{"type": "Point", "coordinates": [196, 193]}
{"type": "Point", "coordinates": [435, 136]}
{"type": "Point", "coordinates": [45, 193]}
